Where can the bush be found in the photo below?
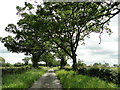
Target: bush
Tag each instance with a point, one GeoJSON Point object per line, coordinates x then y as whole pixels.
{"type": "Point", "coordinates": [7, 65]}
{"type": "Point", "coordinates": [18, 64]}
{"type": "Point", "coordinates": [70, 79]}
{"type": "Point", "coordinates": [13, 70]}
{"type": "Point", "coordinates": [103, 73]}
{"type": "Point", "coordinates": [68, 68]}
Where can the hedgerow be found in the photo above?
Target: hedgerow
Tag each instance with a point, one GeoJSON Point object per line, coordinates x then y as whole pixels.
{"type": "Point", "coordinates": [106, 74]}
{"type": "Point", "coordinates": [12, 70]}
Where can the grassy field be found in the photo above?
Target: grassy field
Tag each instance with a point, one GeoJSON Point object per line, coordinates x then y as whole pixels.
{"type": "Point", "coordinates": [23, 80]}
{"type": "Point", "coordinates": [70, 79]}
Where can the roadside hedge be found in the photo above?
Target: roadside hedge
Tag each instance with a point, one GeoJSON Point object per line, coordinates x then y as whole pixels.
{"type": "Point", "coordinates": [12, 70]}
{"type": "Point", "coordinates": [103, 73]}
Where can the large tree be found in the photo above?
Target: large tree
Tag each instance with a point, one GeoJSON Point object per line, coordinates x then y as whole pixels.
{"type": "Point", "coordinates": [60, 54]}
{"type": "Point", "coordinates": [65, 24]}
{"type": "Point", "coordinates": [28, 37]}
{"type": "Point", "coordinates": [72, 22]}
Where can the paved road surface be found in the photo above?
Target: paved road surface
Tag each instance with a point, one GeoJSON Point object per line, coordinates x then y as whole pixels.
{"type": "Point", "coordinates": [47, 81]}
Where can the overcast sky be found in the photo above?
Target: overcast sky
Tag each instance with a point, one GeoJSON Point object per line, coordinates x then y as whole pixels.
{"type": "Point", "coordinates": [92, 52]}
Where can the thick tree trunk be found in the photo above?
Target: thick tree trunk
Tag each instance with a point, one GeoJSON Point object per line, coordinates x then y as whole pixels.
{"type": "Point", "coordinates": [35, 64]}
{"type": "Point", "coordinates": [26, 63]}
{"type": "Point", "coordinates": [74, 62]}
{"type": "Point", "coordinates": [35, 60]}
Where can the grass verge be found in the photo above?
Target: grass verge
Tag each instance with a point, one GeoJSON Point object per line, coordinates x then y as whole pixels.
{"type": "Point", "coordinates": [23, 80]}
{"type": "Point", "coordinates": [70, 79]}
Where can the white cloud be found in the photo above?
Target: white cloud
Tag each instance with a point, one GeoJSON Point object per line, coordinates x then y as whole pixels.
{"type": "Point", "coordinates": [106, 51]}
{"type": "Point", "coordinates": [8, 15]}
{"type": "Point", "coordinates": [12, 57]}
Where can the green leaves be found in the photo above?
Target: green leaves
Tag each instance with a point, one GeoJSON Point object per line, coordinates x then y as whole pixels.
{"type": "Point", "coordinates": [26, 60]}
{"type": "Point", "coordinates": [61, 25]}
{"type": "Point", "coordinates": [11, 28]}
{"type": "Point", "coordinates": [2, 60]}
{"type": "Point", "coordinates": [30, 6]}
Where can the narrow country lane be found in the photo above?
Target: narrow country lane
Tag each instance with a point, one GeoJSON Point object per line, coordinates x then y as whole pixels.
{"type": "Point", "coordinates": [48, 80]}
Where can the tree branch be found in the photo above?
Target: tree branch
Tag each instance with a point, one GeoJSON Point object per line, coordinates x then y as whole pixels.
{"type": "Point", "coordinates": [63, 48]}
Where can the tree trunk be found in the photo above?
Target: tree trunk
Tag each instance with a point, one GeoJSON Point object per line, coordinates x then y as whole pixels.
{"type": "Point", "coordinates": [62, 63]}
{"type": "Point", "coordinates": [74, 62]}
{"type": "Point", "coordinates": [35, 60]}
{"type": "Point", "coordinates": [26, 63]}
{"type": "Point", "coordinates": [46, 63]}
{"type": "Point", "coordinates": [35, 64]}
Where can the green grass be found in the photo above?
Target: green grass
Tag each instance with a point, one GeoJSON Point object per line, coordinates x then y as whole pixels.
{"type": "Point", "coordinates": [70, 79]}
{"type": "Point", "coordinates": [23, 80]}
{"type": "Point", "coordinates": [56, 68]}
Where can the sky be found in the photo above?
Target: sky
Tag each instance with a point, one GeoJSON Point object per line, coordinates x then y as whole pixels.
{"type": "Point", "coordinates": [91, 52]}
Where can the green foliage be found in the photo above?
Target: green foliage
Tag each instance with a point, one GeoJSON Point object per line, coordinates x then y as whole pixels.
{"type": "Point", "coordinates": [14, 70]}
{"type": "Point", "coordinates": [26, 60]}
{"type": "Point", "coordinates": [116, 65]}
{"type": "Point", "coordinates": [28, 36]}
{"type": "Point", "coordinates": [68, 68]}
{"type": "Point", "coordinates": [62, 25]}
{"type": "Point", "coordinates": [99, 65]}
{"type": "Point", "coordinates": [7, 65]}
{"type": "Point", "coordinates": [106, 65]}
{"type": "Point", "coordinates": [56, 68]}
{"type": "Point", "coordinates": [49, 59]}
{"type": "Point", "coordinates": [70, 79]}
{"type": "Point", "coordinates": [2, 60]}
{"type": "Point", "coordinates": [60, 54]}
{"type": "Point", "coordinates": [18, 64]}
{"type": "Point", "coordinates": [81, 64]}
{"type": "Point", "coordinates": [22, 80]}
{"type": "Point", "coordinates": [103, 73]}
{"type": "Point", "coordinates": [73, 22]}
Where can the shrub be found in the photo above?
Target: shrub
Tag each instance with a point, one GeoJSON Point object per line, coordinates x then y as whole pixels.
{"type": "Point", "coordinates": [18, 64]}
{"type": "Point", "coordinates": [70, 79]}
{"type": "Point", "coordinates": [7, 65]}
{"type": "Point", "coordinates": [13, 70]}
{"type": "Point", "coordinates": [103, 73]}
{"type": "Point", "coordinates": [68, 68]}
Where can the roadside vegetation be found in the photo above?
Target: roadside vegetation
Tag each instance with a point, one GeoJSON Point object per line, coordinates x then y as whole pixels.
{"type": "Point", "coordinates": [23, 80]}
{"type": "Point", "coordinates": [70, 79]}
{"type": "Point", "coordinates": [94, 76]}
